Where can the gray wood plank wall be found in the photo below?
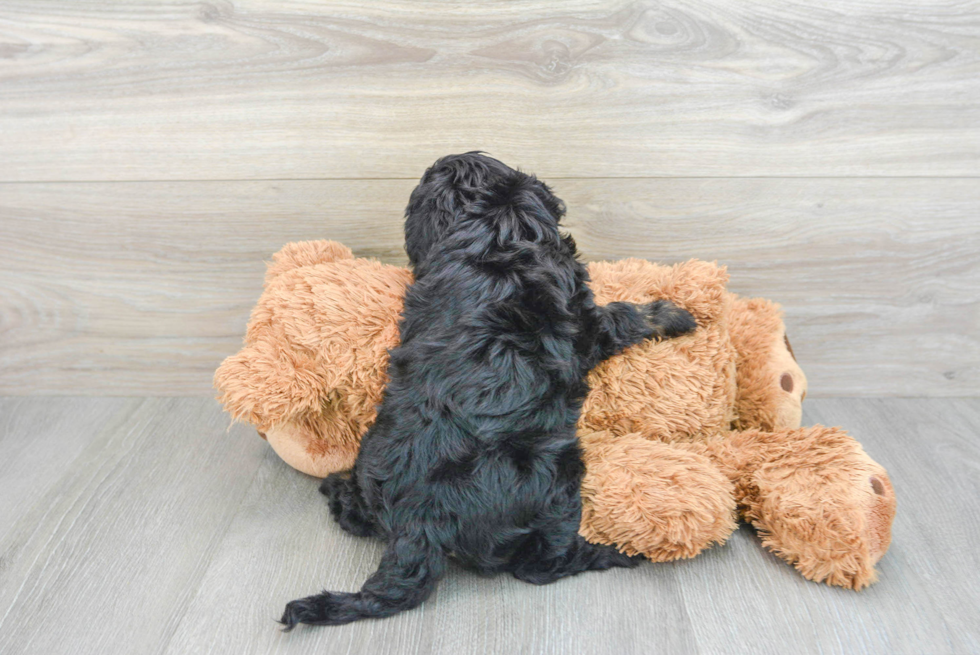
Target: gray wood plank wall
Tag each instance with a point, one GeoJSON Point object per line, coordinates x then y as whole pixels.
{"type": "Point", "coordinates": [153, 155]}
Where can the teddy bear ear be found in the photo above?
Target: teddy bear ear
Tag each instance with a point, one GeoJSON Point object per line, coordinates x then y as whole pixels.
{"type": "Point", "coordinates": [305, 253]}
{"type": "Point", "coordinates": [265, 385]}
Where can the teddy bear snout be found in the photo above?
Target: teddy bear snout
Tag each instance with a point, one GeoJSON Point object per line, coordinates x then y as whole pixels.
{"type": "Point", "coordinates": [879, 515]}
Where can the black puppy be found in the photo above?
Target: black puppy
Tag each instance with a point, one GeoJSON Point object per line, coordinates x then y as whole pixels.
{"type": "Point", "coordinates": [474, 453]}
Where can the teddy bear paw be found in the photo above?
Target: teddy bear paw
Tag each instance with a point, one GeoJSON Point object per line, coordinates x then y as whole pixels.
{"type": "Point", "coordinates": [827, 509]}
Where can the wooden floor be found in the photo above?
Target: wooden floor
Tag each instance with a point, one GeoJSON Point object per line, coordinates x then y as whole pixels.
{"type": "Point", "coordinates": [145, 525]}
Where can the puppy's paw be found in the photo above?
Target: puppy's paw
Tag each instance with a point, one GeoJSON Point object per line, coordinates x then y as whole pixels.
{"type": "Point", "coordinates": [332, 483]}
{"type": "Point", "coordinates": [666, 320]}
{"type": "Point", "coordinates": [614, 558]}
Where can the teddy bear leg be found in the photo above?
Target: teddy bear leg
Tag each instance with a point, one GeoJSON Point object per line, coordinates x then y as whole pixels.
{"type": "Point", "coordinates": [652, 498]}
{"type": "Point", "coordinates": [816, 498]}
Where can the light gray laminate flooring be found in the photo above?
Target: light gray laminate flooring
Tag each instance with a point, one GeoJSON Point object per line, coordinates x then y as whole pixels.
{"type": "Point", "coordinates": [145, 525]}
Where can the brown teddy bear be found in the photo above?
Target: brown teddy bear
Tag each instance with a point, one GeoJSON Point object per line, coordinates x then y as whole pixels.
{"type": "Point", "coordinates": [679, 436]}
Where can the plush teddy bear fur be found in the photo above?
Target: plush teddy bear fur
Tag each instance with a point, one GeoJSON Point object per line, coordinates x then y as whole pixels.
{"type": "Point", "coordinates": [313, 369]}
{"type": "Point", "coordinates": [679, 437]}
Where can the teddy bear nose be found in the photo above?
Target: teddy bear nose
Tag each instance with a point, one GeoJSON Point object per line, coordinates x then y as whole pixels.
{"type": "Point", "coordinates": [877, 486]}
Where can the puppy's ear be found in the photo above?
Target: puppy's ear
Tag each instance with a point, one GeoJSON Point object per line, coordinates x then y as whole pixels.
{"type": "Point", "coordinates": [554, 204]}
{"type": "Point", "coordinates": [519, 208]}
{"type": "Point", "coordinates": [432, 208]}
{"type": "Point", "coordinates": [444, 193]}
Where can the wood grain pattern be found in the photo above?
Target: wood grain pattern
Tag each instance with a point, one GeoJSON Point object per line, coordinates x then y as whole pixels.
{"type": "Point", "coordinates": [932, 454]}
{"type": "Point", "coordinates": [141, 288]}
{"type": "Point", "coordinates": [880, 279]}
{"type": "Point", "coordinates": [283, 544]}
{"type": "Point", "coordinates": [34, 451]}
{"type": "Point", "coordinates": [108, 558]}
{"type": "Point", "coordinates": [152, 155]}
{"type": "Point", "coordinates": [170, 535]}
{"type": "Point", "coordinates": [917, 440]}
{"type": "Point", "coordinates": [302, 89]}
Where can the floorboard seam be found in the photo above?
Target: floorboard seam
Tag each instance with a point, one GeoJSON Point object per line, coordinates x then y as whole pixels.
{"type": "Point", "coordinates": [165, 647]}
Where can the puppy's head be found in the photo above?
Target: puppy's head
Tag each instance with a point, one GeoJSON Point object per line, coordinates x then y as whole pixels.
{"type": "Point", "coordinates": [519, 207]}
{"type": "Point", "coordinates": [446, 189]}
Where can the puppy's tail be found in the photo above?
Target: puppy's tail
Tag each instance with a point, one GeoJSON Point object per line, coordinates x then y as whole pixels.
{"type": "Point", "coordinates": [410, 568]}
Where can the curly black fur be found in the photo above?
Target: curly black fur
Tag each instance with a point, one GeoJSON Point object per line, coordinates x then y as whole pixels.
{"type": "Point", "coordinates": [474, 453]}
{"type": "Point", "coordinates": [445, 191]}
